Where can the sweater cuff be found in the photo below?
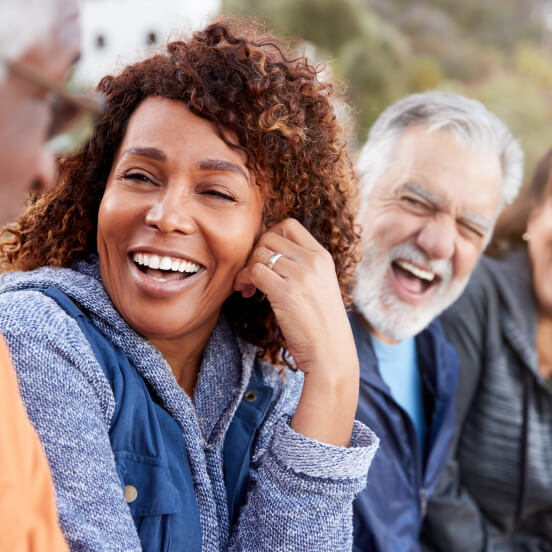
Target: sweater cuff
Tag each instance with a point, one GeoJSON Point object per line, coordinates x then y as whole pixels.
{"type": "Point", "coordinates": [315, 459]}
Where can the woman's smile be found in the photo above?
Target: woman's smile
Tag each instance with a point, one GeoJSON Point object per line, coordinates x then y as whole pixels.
{"type": "Point", "coordinates": [163, 275]}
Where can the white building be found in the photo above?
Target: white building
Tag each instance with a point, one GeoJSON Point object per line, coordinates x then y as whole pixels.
{"type": "Point", "coordinates": [116, 32]}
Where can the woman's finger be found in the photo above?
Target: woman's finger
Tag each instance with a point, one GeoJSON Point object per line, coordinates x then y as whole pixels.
{"type": "Point", "coordinates": [261, 277]}
{"type": "Point", "coordinates": [294, 231]}
{"type": "Point", "coordinates": [270, 258]}
{"type": "Point", "coordinates": [291, 250]}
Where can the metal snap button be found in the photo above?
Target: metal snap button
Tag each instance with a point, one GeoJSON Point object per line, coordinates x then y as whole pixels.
{"type": "Point", "coordinates": [250, 396]}
{"type": "Point", "coordinates": [131, 493]}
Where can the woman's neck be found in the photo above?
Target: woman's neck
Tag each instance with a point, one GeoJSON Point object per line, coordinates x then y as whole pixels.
{"type": "Point", "coordinates": [185, 362]}
{"type": "Point", "coordinates": [544, 344]}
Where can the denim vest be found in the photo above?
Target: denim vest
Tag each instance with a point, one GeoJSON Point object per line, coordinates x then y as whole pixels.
{"type": "Point", "coordinates": [150, 451]}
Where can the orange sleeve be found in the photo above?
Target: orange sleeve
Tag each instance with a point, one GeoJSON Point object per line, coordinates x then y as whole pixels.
{"type": "Point", "coordinates": [28, 516]}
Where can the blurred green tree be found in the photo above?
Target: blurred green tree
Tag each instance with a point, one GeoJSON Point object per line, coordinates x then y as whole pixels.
{"type": "Point", "coordinates": [494, 50]}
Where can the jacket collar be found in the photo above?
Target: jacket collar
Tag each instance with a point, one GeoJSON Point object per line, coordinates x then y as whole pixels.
{"type": "Point", "coordinates": [513, 277]}
{"type": "Point", "coordinates": [430, 345]}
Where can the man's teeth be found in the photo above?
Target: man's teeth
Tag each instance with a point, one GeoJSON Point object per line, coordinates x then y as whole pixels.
{"type": "Point", "coordinates": [165, 263]}
{"type": "Point", "coordinates": [419, 272]}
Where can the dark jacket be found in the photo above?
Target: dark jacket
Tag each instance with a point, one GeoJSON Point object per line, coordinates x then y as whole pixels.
{"type": "Point", "coordinates": [388, 513]}
{"type": "Point", "coordinates": [496, 493]}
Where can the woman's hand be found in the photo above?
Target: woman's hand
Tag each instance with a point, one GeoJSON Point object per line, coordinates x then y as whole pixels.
{"type": "Point", "coordinates": [304, 294]}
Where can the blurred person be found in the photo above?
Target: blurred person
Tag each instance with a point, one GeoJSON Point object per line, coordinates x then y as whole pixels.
{"type": "Point", "coordinates": [496, 493]}
{"type": "Point", "coordinates": [167, 279]}
{"type": "Point", "coordinates": [435, 172]}
{"type": "Point", "coordinates": [41, 37]}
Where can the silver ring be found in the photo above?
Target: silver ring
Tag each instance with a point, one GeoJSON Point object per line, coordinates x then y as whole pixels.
{"type": "Point", "coordinates": [272, 260]}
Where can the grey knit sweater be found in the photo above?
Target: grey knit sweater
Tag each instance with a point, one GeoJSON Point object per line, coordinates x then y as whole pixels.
{"type": "Point", "coordinates": [301, 492]}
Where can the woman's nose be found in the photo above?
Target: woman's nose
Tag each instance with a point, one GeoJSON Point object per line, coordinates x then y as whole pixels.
{"type": "Point", "coordinates": [438, 238]}
{"type": "Point", "coordinates": [171, 212]}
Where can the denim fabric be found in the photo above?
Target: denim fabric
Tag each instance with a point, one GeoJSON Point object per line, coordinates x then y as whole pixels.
{"type": "Point", "coordinates": [388, 514]}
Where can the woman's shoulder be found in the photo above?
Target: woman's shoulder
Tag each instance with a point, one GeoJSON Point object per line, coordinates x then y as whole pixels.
{"type": "Point", "coordinates": [25, 305]}
{"type": "Point", "coordinates": [25, 308]}
{"type": "Point", "coordinates": [46, 342]}
{"type": "Point", "coordinates": [31, 311]}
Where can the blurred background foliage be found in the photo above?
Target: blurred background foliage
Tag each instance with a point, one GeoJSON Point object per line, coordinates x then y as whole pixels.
{"type": "Point", "coordinates": [498, 51]}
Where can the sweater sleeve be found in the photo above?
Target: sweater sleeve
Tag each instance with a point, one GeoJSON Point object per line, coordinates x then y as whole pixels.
{"type": "Point", "coordinates": [454, 521]}
{"type": "Point", "coordinates": [302, 493]}
{"type": "Point", "coordinates": [69, 402]}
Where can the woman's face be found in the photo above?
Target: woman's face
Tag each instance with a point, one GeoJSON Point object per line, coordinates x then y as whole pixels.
{"type": "Point", "coordinates": [540, 253]}
{"type": "Point", "coordinates": [179, 217]}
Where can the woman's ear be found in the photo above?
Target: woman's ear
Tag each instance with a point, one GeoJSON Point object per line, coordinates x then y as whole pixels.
{"type": "Point", "coordinates": [534, 215]}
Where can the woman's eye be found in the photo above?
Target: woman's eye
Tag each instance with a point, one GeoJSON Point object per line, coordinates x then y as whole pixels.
{"type": "Point", "coordinates": [220, 195]}
{"type": "Point", "coordinates": [138, 177]}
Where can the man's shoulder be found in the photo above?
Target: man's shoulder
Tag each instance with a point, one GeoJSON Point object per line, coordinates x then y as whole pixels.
{"type": "Point", "coordinates": [435, 349]}
{"type": "Point", "coordinates": [433, 337]}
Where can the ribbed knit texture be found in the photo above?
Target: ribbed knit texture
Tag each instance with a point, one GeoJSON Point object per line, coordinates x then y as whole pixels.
{"type": "Point", "coordinates": [300, 493]}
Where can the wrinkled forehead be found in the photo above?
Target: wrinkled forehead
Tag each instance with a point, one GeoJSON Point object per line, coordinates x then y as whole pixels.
{"type": "Point", "coordinates": [435, 165]}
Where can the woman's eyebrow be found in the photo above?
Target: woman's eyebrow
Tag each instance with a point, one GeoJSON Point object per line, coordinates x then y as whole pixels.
{"type": "Point", "coordinates": [152, 153]}
{"type": "Point", "coordinates": [221, 165]}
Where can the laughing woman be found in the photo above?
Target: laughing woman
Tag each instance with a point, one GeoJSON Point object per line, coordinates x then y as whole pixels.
{"type": "Point", "coordinates": [201, 240]}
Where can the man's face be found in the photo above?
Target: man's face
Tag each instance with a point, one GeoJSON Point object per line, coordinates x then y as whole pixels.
{"type": "Point", "coordinates": [424, 226]}
{"type": "Point", "coordinates": [25, 114]}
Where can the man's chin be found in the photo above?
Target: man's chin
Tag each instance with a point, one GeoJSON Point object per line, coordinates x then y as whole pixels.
{"type": "Point", "coordinates": [404, 331]}
{"type": "Point", "coordinates": [397, 321]}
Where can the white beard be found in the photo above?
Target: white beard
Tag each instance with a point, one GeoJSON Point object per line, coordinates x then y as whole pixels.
{"type": "Point", "coordinates": [382, 309]}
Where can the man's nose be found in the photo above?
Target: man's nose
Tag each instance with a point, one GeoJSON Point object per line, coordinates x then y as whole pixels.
{"type": "Point", "coordinates": [438, 237]}
{"type": "Point", "coordinates": [46, 172]}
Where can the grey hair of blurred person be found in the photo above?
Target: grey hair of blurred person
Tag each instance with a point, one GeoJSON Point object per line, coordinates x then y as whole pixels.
{"type": "Point", "coordinates": [22, 24]}
{"type": "Point", "coordinates": [467, 120]}
{"type": "Point", "coordinates": [41, 38]}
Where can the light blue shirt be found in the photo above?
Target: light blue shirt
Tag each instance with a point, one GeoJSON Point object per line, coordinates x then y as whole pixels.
{"type": "Point", "coordinates": [398, 366]}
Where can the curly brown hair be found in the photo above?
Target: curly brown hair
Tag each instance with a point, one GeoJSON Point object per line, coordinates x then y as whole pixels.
{"type": "Point", "coordinates": [282, 114]}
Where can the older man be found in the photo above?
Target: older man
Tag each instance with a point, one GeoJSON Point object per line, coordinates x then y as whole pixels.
{"type": "Point", "coordinates": [435, 172]}
{"type": "Point", "coordinates": [39, 41]}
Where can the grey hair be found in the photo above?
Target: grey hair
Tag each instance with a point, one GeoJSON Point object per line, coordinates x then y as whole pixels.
{"type": "Point", "coordinates": [468, 121]}
{"type": "Point", "coordinates": [22, 24]}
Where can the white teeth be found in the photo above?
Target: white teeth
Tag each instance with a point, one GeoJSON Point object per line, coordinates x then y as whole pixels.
{"type": "Point", "coordinates": [165, 263]}
{"type": "Point", "coordinates": [154, 261]}
{"type": "Point", "coordinates": [419, 272]}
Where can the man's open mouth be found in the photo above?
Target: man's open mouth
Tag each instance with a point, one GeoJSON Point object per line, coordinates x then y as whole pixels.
{"type": "Point", "coordinates": [413, 278]}
{"type": "Point", "coordinates": [164, 268]}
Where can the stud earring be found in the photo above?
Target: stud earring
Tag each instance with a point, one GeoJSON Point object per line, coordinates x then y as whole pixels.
{"type": "Point", "coordinates": [526, 236]}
